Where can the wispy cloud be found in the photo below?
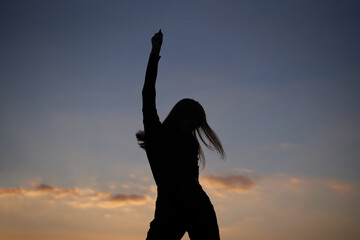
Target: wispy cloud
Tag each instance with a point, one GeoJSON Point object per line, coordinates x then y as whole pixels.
{"type": "Point", "coordinates": [76, 197]}
{"type": "Point", "coordinates": [235, 183]}
{"type": "Point", "coordinates": [274, 203]}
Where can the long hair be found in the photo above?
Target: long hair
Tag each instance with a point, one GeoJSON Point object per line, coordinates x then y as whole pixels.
{"type": "Point", "coordinates": [189, 116]}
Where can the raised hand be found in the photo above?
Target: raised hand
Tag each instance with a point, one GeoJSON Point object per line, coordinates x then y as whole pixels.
{"type": "Point", "coordinates": [156, 42]}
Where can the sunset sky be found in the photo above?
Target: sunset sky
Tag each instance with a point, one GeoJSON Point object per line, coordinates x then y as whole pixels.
{"type": "Point", "coordinates": [279, 81]}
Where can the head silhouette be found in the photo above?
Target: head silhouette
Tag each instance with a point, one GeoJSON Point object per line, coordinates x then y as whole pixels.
{"type": "Point", "coordinates": [187, 115]}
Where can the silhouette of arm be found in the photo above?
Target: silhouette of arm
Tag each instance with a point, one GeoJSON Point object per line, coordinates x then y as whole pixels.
{"type": "Point", "coordinates": [150, 117]}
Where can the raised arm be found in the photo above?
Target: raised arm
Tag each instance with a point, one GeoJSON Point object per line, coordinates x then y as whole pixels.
{"type": "Point", "coordinates": [151, 119]}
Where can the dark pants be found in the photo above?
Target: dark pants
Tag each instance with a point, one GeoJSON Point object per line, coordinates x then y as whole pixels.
{"type": "Point", "coordinates": [176, 214]}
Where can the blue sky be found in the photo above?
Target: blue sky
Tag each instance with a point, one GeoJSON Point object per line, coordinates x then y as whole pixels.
{"type": "Point", "coordinates": [279, 81]}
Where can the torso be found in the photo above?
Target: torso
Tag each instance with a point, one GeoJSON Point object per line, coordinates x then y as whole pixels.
{"type": "Point", "coordinates": [174, 160]}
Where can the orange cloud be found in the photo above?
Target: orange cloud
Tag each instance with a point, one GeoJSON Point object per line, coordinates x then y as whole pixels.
{"type": "Point", "coordinates": [122, 199]}
{"type": "Point", "coordinates": [100, 195]}
{"type": "Point", "coordinates": [295, 180]}
{"type": "Point", "coordinates": [340, 187]}
{"type": "Point", "coordinates": [238, 183]}
{"type": "Point", "coordinates": [127, 197]}
{"type": "Point", "coordinates": [10, 192]}
{"type": "Point", "coordinates": [54, 192]}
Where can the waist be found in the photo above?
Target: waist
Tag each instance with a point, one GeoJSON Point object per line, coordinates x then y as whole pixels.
{"type": "Point", "coordinates": [189, 186]}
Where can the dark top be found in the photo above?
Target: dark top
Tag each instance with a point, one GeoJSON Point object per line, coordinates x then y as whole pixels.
{"type": "Point", "coordinates": [173, 155]}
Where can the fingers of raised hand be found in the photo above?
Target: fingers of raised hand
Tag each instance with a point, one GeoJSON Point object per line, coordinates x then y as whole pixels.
{"type": "Point", "coordinates": [157, 37]}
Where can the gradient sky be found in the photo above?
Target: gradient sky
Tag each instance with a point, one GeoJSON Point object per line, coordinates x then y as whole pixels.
{"type": "Point", "coordinates": [279, 80]}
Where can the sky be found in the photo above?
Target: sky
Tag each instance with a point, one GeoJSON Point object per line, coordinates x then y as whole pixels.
{"type": "Point", "coordinates": [279, 81]}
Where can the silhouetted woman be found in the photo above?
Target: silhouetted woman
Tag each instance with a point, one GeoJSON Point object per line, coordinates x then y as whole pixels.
{"type": "Point", "coordinates": [173, 151]}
